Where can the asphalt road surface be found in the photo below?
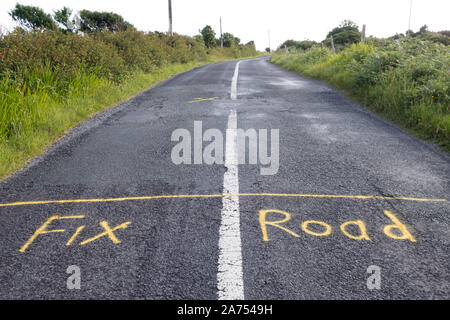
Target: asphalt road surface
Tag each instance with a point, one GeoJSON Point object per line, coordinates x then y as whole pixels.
{"type": "Point", "coordinates": [355, 200]}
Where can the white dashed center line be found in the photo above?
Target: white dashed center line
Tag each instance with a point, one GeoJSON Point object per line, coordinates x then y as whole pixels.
{"type": "Point", "coordinates": [234, 82]}
{"type": "Point", "coordinates": [230, 277]}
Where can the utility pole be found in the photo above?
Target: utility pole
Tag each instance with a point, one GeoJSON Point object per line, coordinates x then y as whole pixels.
{"type": "Point", "coordinates": [170, 18]}
{"type": "Point", "coordinates": [268, 32]}
{"type": "Point", "coordinates": [221, 34]}
{"type": "Point", "coordinates": [410, 12]}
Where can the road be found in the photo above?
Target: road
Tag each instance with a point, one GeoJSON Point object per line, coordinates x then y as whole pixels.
{"type": "Point", "coordinates": [351, 191]}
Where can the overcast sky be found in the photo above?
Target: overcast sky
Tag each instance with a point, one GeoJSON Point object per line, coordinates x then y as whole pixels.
{"type": "Point", "coordinates": [251, 19]}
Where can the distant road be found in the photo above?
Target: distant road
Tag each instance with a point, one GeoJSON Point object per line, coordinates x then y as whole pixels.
{"type": "Point", "coordinates": [351, 191]}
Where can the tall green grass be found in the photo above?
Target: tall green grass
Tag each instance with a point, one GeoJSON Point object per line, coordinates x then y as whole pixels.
{"type": "Point", "coordinates": [51, 81]}
{"type": "Point", "coordinates": [406, 81]}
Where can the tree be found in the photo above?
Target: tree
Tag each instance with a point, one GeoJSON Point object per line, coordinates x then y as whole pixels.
{"type": "Point", "coordinates": [32, 18]}
{"type": "Point", "coordinates": [347, 33]}
{"type": "Point", "coordinates": [63, 18]}
{"type": "Point", "coordinates": [268, 50]}
{"type": "Point", "coordinates": [228, 39]}
{"type": "Point", "coordinates": [303, 45]}
{"type": "Point", "coordinates": [347, 37]}
{"type": "Point", "coordinates": [209, 36]}
{"type": "Point", "coordinates": [100, 21]}
{"type": "Point", "coordinates": [251, 45]}
{"type": "Point", "coordinates": [424, 29]}
{"type": "Point", "coordinates": [346, 25]}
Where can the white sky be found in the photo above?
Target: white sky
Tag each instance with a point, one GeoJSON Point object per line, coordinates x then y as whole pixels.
{"type": "Point", "coordinates": [251, 19]}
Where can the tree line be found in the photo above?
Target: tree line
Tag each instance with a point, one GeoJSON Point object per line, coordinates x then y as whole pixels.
{"type": "Point", "coordinates": [208, 37]}
{"type": "Point", "coordinates": [33, 18]}
{"type": "Point", "coordinates": [348, 33]}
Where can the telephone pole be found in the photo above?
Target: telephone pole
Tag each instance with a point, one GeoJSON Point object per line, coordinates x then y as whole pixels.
{"type": "Point", "coordinates": [410, 11]}
{"type": "Point", "coordinates": [221, 34]}
{"type": "Point", "coordinates": [268, 32]}
{"type": "Point", "coordinates": [170, 18]}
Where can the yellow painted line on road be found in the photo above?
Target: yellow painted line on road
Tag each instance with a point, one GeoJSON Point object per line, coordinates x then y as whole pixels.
{"type": "Point", "coordinates": [192, 196]}
{"type": "Point", "coordinates": [203, 99]}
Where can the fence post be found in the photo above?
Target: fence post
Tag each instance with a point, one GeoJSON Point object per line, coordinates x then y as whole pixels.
{"type": "Point", "coordinates": [333, 50]}
{"type": "Point", "coordinates": [363, 34]}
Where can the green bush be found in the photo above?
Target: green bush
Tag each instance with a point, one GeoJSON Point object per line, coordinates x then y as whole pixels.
{"type": "Point", "coordinates": [51, 80]}
{"type": "Point", "coordinates": [298, 45]}
{"type": "Point", "coordinates": [38, 66]}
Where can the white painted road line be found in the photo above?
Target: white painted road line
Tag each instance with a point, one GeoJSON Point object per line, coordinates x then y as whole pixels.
{"type": "Point", "coordinates": [229, 278]}
{"type": "Point", "coordinates": [230, 281]}
{"type": "Point", "coordinates": [234, 82]}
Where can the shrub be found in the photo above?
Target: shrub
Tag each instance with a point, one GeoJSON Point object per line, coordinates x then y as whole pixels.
{"type": "Point", "coordinates": [38, 67]}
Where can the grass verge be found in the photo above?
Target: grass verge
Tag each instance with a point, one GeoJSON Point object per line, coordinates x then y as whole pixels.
{"type": "Point", "coordinates": [405, 82]}
{"type": "Point", "coordinates": [55, 116]}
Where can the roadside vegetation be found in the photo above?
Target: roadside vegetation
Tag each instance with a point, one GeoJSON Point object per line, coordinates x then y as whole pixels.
{"type": "Point", "coordinates": [57, 70]}
{"type": "Point", "coordinates": [403, 78]}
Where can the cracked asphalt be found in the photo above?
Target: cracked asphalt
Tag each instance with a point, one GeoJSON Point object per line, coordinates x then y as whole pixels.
{"type": "Point", "coordinates": [328, 146]}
